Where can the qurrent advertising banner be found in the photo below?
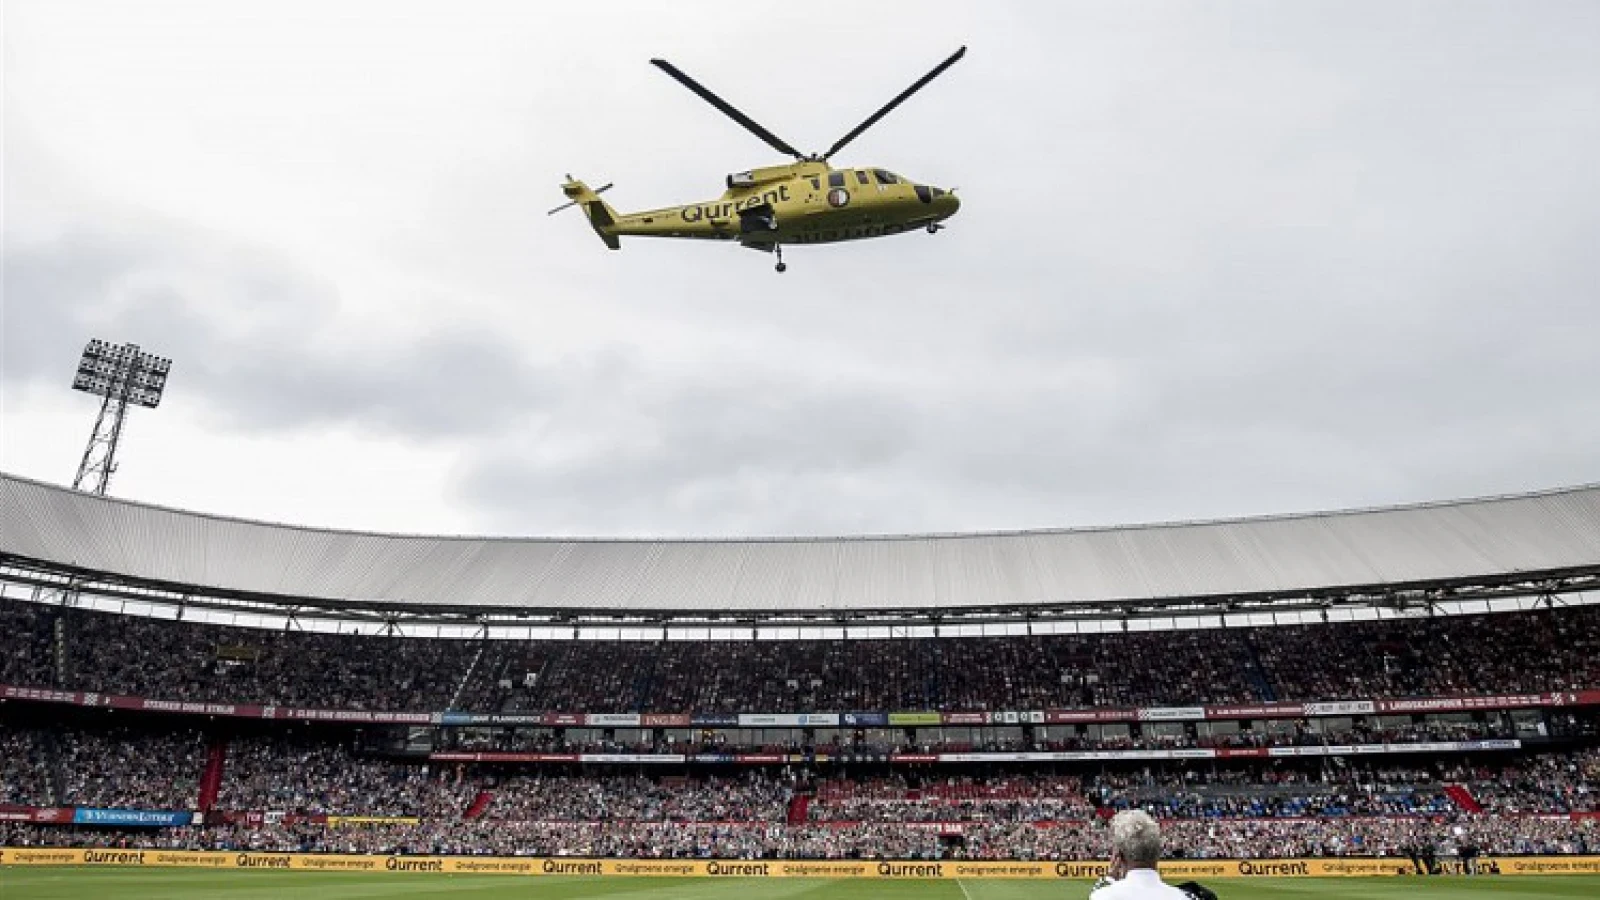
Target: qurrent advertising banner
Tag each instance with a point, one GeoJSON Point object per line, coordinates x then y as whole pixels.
{"type": "Point", "coordinates": [1259, 869]}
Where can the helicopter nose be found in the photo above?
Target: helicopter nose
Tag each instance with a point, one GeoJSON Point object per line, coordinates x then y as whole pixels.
{"type": "Point", "coordinates": [944, 202]}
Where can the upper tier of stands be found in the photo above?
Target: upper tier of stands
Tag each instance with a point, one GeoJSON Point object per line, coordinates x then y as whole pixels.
{"type": "Point", "coordinates": [1552, 650]}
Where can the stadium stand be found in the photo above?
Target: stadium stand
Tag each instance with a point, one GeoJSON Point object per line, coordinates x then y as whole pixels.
{"type": "Point", "coordinates": [1553, 650]}
{"type": "Point", "coordinates": [1386, 727]}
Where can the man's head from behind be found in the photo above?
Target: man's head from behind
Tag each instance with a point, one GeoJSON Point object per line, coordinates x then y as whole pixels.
{"type": "Point", "coordinates": [1135, 841]}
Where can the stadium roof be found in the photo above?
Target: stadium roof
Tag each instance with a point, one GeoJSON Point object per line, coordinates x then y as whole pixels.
{"type": "Point", "coordinates": [1540, 542]}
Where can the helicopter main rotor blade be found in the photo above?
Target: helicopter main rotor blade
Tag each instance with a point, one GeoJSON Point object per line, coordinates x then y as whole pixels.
{"type": "Point", "coordinates": [889, 107]}
{"type": "Point", "coordinates": [751, 125]}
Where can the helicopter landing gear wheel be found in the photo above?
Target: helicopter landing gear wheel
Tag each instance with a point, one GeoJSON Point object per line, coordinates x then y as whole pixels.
{"type": "Point", "coordinates": [781, 267]}
{"type": "Point", "coordinates": [934, 227]}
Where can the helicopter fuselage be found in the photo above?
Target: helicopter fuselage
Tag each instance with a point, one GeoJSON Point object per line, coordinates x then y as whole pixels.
{"type": "Point", "coordinates": [801, 203]}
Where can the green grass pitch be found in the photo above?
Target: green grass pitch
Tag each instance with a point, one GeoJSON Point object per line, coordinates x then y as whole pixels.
{"type": "Point", "coordinates": [181, 884]}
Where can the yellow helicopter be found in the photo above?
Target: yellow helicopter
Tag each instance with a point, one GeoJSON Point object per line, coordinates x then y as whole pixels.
{"type": "Point", "coordinates": [804, 202]}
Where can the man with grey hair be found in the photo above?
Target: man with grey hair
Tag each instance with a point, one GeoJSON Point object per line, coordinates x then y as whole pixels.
{"type": "Point", "coordinates": [1135, 850]}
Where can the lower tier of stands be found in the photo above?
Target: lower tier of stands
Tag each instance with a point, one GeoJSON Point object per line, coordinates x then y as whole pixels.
{"type": "Point", "coordinates": [298, 774]}
{"type": "Point", "coordinates": [1191, 839]}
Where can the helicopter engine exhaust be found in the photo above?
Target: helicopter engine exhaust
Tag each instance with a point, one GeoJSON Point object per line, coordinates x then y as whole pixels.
{"type": "Point", "coordinates": [758, 177]}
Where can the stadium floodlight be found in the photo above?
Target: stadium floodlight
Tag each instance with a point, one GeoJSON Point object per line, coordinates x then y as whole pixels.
{"type": "Point", "coordinates": [120, 374]}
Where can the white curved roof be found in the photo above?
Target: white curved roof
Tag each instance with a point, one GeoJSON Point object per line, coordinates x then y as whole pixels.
{"type": "Point", "coordinates": [1549, 532]}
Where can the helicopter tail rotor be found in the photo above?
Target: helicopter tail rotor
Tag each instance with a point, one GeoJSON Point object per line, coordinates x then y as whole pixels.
{"type": "Point", "coordinates": [601, 216]}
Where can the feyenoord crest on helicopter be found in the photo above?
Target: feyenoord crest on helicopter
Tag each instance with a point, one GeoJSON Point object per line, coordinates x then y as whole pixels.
{"type": "Point", "coordinates": [807, 201]}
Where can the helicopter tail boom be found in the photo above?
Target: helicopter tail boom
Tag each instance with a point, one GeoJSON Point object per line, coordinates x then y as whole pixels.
{"type": "Point", "coordinates": [601, 216]}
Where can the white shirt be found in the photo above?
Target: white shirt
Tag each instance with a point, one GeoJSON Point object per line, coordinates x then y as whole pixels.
{"type": "Point", "coordinates": [1139, 884]}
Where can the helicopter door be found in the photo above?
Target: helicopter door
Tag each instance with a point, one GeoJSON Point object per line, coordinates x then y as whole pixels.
{"type": "Point", "coordinates": [758, 219]}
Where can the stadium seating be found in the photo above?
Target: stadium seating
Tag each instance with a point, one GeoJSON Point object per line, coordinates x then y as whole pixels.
{"type": "Point", "coordinates": [1552, 650]}
{"type": "Point", "coordinates": [274, 783]}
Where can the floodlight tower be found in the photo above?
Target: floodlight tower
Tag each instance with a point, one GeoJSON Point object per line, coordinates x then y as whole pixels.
{"type": "Point", "coordinates": [120, 374]}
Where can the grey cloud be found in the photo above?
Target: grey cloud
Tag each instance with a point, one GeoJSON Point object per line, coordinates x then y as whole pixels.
{"type": "Point", "coordinates": [254, 338]}
{"type": "Point", "coordinates": [751, 450]}
{"type": "Point", "coordinates": [1212, 261]}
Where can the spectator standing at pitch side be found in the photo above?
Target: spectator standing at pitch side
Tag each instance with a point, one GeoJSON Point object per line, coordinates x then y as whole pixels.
{"type": "Point", "coordinates": [1135, 850]}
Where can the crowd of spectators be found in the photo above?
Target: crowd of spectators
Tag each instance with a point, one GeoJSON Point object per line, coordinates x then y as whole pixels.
{"type": "Point", "coordinates": [1192, 839]}
{"type": "Point", "coordinates": [106, 768]}
{"type": "Point", "coordinates": [1001, 798]}
{"type": "Point", "coordinates": [1546, 783]}
{"type": "Point", "coordinates": [306, 777]}
{"type": "Point", "coordinates": [24, 769]}
{"type": "Point", "coordinates": [179, 660]}
{"type": "Point", "coordinates": [551, 740]}
{"type": "Point", "coordinates": [1532, 651]}
{"type": "Point", "coordinates": [26, 638]}
{"type": "Point", "coordinates": [753, 796]}
{"type": "Point", "coordinates": [1434, 657]}
{"type": "Point", "coordinates": [1335, 791]}
{"type": "Point", "coordinates": [123, 769]}
{"type": "Point", "coordinates": [307, 774]}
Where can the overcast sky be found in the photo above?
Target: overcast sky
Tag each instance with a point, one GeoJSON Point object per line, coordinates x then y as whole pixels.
{"type": "Point", "coordinates": [1213, 259]}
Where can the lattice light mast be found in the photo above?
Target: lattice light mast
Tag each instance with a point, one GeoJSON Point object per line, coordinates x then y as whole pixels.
{"type": "Point", "coordinates": [120, 374]}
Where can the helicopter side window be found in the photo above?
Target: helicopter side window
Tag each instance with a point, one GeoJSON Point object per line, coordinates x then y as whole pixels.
{"type": "Point", "coordinates": [835, 179]}
{"type": "Point", "coordinates": [861, 176]}
{"type": "Point", "coordinates": [816, 184]}
{"type": "Point", "coordinates": [885, 177]}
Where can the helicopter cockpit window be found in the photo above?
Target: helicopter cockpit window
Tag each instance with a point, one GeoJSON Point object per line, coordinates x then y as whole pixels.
{"type": "Point", "coordinates": [885, 177]}
{"type": "Point", "coordinates": [861, 176]}
{"type": "Point", "coordinates": [835, 179]}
